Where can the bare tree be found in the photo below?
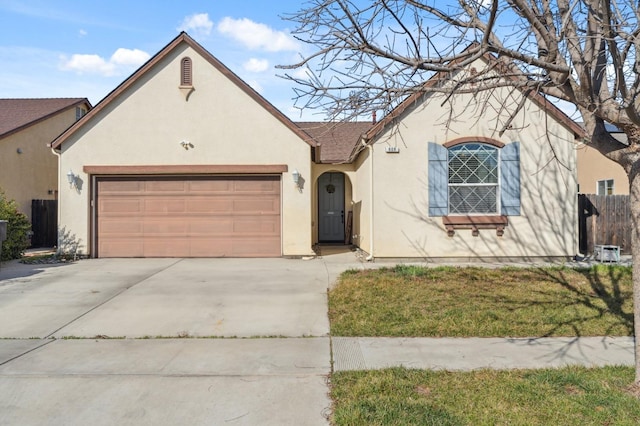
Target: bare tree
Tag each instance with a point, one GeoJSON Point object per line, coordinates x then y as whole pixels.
{"type": "Point", "coordinates": [370, 55]}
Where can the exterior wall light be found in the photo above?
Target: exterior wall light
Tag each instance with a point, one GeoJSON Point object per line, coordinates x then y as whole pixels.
{"type": "Point", "coordinates": [296, 176]}
{"type": "Point", "coordinates": [71, 178]}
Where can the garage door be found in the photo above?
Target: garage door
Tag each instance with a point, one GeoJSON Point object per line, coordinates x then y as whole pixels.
{"type": "Point", "coordinates": [188, 216]}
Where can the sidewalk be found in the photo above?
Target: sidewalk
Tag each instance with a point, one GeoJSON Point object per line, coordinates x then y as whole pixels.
{"type": "Point", "coordinates": [463, 354]}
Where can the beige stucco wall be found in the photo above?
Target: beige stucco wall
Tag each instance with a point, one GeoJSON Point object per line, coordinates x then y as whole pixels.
{"type": "Point", "coordinates": [366, 192]}
{"type": "Point", "coordinates": [32, 174]}
{"type": "Point", "coordinates": [145, 125]}
{"type": "Point", "coordinates": [593, 166]}
{"type": "Point", "coordinates": [547, 224]}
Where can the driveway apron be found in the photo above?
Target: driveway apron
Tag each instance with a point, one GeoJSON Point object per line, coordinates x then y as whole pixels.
{"type": "Point", "coordinates": [165, 341]}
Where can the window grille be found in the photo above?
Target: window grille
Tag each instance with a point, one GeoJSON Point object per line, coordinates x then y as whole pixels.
{"type": "Point", "coordinates": [473, 179]}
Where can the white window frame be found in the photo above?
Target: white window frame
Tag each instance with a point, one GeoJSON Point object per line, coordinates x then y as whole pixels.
{"type": "Point", "coordinates": [496, 185]}
{"type": "Point", "coordinates": [80, 112]}
{"type": "Point", "coordinates": [608, 187]}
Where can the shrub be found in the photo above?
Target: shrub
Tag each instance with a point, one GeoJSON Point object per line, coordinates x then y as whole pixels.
{"type": "Point", "coordinates": [17, 229]}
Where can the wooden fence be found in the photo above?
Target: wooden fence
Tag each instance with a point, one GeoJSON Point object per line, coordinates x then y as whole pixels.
{"type": "Point", "coordinates": [44, 223]}
{"type": "Point", "coordinates": [604, 219]}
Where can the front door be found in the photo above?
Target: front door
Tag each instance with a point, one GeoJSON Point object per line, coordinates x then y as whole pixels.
{"type": "Point", "coordinates": [331, 207]}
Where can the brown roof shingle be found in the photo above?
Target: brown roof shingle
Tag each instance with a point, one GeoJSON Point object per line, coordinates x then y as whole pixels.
{"type": "Point", "coordinates": [16, 114]}
{"type": "Point", "coordinates": [337, 139]}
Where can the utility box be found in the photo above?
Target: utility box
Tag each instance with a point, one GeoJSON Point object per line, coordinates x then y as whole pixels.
{"type": "Point", "coordinates": [607, 253]}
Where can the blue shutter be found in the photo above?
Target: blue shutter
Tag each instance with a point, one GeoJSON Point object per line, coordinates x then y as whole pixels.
{"type": "Point", "coordinates": [510, 179]}
{"type": "Point", "coordinates": [438, 180]}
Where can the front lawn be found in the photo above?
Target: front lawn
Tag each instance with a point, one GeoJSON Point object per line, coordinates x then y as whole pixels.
{"type": "Point", "coordinates": [412, 301]}
{"type": "Point", "coordinates": [568, 396]}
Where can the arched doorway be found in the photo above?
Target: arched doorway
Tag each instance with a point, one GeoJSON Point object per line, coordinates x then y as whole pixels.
{"type": "Point", "coordinates": [331, 213]}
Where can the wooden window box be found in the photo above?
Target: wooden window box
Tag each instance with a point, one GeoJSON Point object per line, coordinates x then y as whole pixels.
{"type": "Point", "coordinates": [475, 223]}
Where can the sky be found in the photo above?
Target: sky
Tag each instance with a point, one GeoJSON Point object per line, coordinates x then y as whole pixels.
{"type": "Point", "coordinates": [71, 48]}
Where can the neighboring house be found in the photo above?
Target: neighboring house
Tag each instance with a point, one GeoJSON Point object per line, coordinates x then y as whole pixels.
{"type": "Point", "coordinates": [185, 159]}
{"type": "Point", "coordinates": [599, 175]}
{"type": "Point", "coordinates": [28, 168]}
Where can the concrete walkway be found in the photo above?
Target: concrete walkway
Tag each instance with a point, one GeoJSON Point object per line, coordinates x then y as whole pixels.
{"type": "Point", "coordinates": [456, 354]}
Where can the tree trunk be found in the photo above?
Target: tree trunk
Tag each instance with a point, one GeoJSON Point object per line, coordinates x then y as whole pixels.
{"type": "Point", "coordinates": [634, 192]}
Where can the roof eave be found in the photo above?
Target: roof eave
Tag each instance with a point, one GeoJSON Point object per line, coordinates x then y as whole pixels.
{"type": "Point", "coordinates": [46, 117]}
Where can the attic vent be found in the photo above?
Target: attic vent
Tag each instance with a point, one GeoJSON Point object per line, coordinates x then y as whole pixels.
{"type": "Point", "coordinates": [186, 72]}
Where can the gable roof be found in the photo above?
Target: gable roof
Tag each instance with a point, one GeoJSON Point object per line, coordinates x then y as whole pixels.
{"type": "Point", "coordinates": [18, 114]}
{"type": "Point", "coordinates": [183, 37]}
{"type": "Point", "coordinates": [335, 140]}
{"type": "Point", "coordinates": [537, 98]}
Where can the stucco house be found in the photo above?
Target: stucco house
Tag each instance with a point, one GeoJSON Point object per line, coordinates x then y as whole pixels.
{"type": "Point", "coordinates": [28, 168]}
{"type": "Point", "coordinates": [599, 175]}
{"type": "Point", "coordinates": [184, 159]}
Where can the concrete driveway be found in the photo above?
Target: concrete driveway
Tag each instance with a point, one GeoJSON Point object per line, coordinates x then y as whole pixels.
{"type": "Point", "coordinates": [105, 342]}
{"type": "Point", "coordinates": [165, 298]}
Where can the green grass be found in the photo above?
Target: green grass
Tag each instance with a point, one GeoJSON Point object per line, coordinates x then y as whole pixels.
{"type": "Point", "coordinates": [482, 302]}
{"type": "Point", "coordinates": [568, 396]}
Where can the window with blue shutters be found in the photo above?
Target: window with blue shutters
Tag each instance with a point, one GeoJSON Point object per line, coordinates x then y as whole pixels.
{"type": "Point", "coordinates": [474, 178]}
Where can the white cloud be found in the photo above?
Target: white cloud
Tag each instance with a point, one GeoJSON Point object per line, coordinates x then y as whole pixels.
{"type": "Point", "coordinates": [256, 65]}
{"type": "Point", "coordinates": [257, 36]}
{"type": "Point", "coordinates": [87, 64]}
{"type": "Point", "coordinates": [82, 33]}
{"type": "Point", "coordinates": [301, 73]}
{"type": "Point", "coordinates": [121, 61]}
{"type": "Point", "coordinates": [198, 24]}
{"type": "Point", "coordinates": [129, 57]}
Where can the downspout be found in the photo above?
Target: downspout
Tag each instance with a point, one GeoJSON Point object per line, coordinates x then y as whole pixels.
{"type": "Point", "coordinates": [370, 148]}
{"type": "Point", "coordinates": [58, 154]}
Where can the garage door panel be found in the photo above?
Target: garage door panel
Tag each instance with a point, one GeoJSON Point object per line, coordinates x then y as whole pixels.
{"type": "Point", "coordinates": [264, 226]}
{"type": "Point", "coordinates": [165, 247]}
{"type": "Point", "coordinates": [121, 187]}
{"type": "Point", "coordinates": [164, 205]}
{"type": "Point", "coordinates": [114, 247]}
{"type": "Point", "coordinates": [121, 206]}
{"type": "Point", "coordinates": [212, 226]}
{"type": "Point", "coordinates": [189, 217]}
{"type": "Point", "coordinates": [218, 247]}
{"type": "Point", "coordinates": [256, 204]}
{"type": "Point", "coordinates": [115, 227]}
{"type": "Point", "coordinates": [210, 204]}
{"type": "Point", "coordinates": [173, 227]}
{"type": "Point", "coordinates": [257, 187]}
{"type": "Point", "coordinates": [248, 248]}
{"type": "Point", "coordinates": [216, 186]}
{"type": "Point", "coordinates": [160, 186]}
